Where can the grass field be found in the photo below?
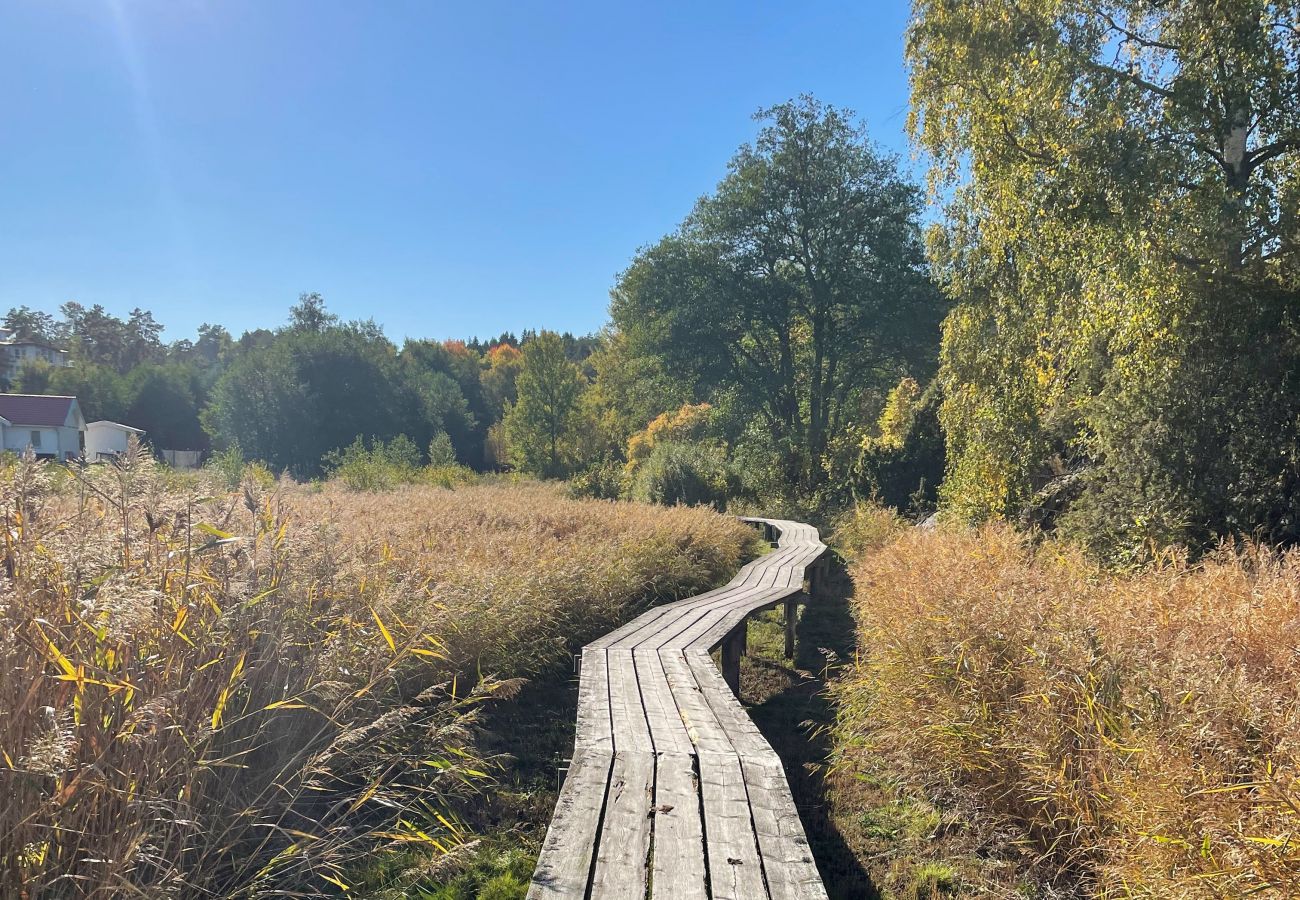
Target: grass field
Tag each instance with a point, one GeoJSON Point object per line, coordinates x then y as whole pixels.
{"type": "Point", "coordinates": [292, 690]}
{"type": "Point", "coordinates": [1019, 720]}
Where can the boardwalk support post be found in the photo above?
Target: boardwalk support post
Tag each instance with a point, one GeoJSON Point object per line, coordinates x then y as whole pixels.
{"type": "Point", "coordinates": [791, 617]}
{"type": "Point", "coordinates": [733, 648]}
{"type": "Point", "coordinates": [817, 577]}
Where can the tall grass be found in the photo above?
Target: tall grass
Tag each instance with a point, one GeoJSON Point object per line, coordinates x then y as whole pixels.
{"type": "Point", "coordinates": [262, 693]}
{"type": "Point", "coordinates": [1138, 734]}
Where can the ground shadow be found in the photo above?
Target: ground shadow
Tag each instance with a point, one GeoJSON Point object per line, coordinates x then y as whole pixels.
{"type": "Point", "coordinates": [790, 706]}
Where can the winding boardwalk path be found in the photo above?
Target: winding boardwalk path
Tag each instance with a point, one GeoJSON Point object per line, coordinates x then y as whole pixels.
{"type": "Point", "coordinates": [672, 792]}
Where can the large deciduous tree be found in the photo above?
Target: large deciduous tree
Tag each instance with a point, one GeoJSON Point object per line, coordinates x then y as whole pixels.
{"type": "Point", "coordinates": [1123, 181]}
{"type": "Point", "coordinates": [798, 284]}
{"type": "Point", "coordinates": [307, 393]}
{"type": "Point", "coordinates": [540, 427]}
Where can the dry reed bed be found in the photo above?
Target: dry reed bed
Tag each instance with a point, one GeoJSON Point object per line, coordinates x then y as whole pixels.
{"type": "Point", "coordinates": [1138, 735]}
{"type": "Point", "coordinates": [255, 694]}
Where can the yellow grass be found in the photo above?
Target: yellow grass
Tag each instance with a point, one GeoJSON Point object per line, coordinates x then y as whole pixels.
{"type": "Point", "coordinates": [1139, 735]}
{"type": "Point", "coordinates": [207, 694]}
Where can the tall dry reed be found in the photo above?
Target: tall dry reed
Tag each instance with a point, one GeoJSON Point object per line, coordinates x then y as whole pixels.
{"type": "Point", "coordinates": [1138, 734]}
{"type": "Point", "coordinates": [206, 694]}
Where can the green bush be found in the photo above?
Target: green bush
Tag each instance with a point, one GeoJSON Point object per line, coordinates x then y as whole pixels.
{"type": "Point", "coordinates": [383, 466]}
{"type": "Point", "coordinates": [230, 469]}
{"type": "Point", "coordinates": [446, 476]}
{"type": "Point", "coordinates": [694, 474]}
{"type": "Point", "coordinates": [604, 480]}
{"type": "Point", "coordinates": [377, 467]}
{"type": "Point", "coordinates": [441, 452]}
{"type": "Point", "coordinates": [227, 466]}
{"type": "Point", "coordinates": [1195, 449]}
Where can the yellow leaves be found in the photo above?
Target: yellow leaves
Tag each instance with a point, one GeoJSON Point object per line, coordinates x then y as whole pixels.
{"type": "Point", "coordinates": [182, 613]}
{"type": "Point", "coordinates": [384, 630]}
{"type": "Point", "coordinates": [336, 882]}
{"type": "Point", "coordinates": [686, 423]}
{"type": "Point", "coordinates": [224, 697]}
{"type": "Point", "coordinates": [56, 655]}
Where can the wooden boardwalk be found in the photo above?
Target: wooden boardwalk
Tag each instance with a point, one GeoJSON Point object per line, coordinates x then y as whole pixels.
{"type": "Point", "coordinates": [672, 792]}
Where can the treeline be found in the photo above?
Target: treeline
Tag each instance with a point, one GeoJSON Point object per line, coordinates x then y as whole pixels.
{"type": "Point", "coordinates": [287, 397]}
{"type": "Point", "coordinates": [750, 354]}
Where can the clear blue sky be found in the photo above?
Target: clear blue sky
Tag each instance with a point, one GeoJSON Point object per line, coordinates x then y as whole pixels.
{"type": "Point", "coordinates": [449, 169]}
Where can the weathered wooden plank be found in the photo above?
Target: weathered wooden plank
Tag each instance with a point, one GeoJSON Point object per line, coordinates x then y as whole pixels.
{"type": "Point", "coordinates": [735, 868]}
{"type": "Point", "coordinates": [623, 855]}
{"type": "Point", "coordinates": [626, 705]}
{"type": "Point", "coordinates": [564, 865]}
{"type": "Point", "coordinates": [668, 732]}
{"type": "Point", "coordinates": [706, 733]}
{"type": "Point", "coordinates": [678, 867]}
{"type": "Point", "coordinates": [594, 726]}
{"type": "Point", "coordinates": [787, 859]}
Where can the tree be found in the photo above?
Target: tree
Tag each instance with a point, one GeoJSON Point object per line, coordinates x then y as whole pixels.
{"type": "Point", "coordinates": [797, 285]}
{"type": "Point", "coordinates": [445, 378]}
{"type": "Point", "coordinates": [98, 337]}
{"type": "Point", "coordinates": [214, 343]}
{"type": "Point", "coordinates": [306, 393]}
{"type": "Point", "coordinates": [309, 314]}
{"type": "Point", "coordinates": [1121, 242]}
{"type": "Point", "coordinates": [99, 390]}
{"type": "Point", "coordinates": [163, 401]}
{"type": "Point", "coordinates": [629, 389]}
{"type": "Point", "coordinates": [30, 325]}
{"type": "Point", "coordinates": [499, 379]}
{"type": "Point", "coordinates": [541, 424]}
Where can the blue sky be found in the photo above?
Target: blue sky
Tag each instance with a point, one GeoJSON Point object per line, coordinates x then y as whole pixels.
{"type": "Point", "coordinates": [448, 169]}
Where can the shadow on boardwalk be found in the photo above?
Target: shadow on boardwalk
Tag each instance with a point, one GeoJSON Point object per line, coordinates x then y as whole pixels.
{"type": "Point", "coordinates": [789, 705]}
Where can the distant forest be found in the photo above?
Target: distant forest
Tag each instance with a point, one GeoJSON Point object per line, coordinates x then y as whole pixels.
{"type": "Point", "coordinates": [286, 396]}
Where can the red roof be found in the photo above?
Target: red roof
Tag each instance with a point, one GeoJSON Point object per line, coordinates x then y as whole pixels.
{"type": "Point", "coordinates": [36, 409]}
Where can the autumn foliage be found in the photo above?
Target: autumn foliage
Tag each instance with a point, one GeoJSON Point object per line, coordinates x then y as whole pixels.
{"type": "Point", "coordinates": [1121, 735]}
{"type": "Point", "coordinates": [270, 692]}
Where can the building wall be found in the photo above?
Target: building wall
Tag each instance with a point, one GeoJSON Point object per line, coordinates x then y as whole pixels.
{"type": "Point", "coordinates": [56, 442]}
{"type": "Point", "coordinates": [14, 356]}
{"type": "Point", "coordinates": [105, 440]}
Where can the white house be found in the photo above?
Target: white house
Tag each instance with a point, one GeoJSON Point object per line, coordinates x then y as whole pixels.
{"type": "Point", "coordinates": [105, 440]}
{"type": "Point", "coordinates": [15, 353]}
{"type": "Point", "coordinates": [52, 426]}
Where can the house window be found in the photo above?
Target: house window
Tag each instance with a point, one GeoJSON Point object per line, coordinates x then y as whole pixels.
{"type": "Point", "coordinates": [36, 439]}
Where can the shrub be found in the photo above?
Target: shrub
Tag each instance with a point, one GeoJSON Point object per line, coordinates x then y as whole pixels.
{"type": "Point", "coordinates": [441, 452]}
{"type": "Point", "coordinates": [693, 474]}
{"type": "Point", "coordinates": [866, 527]}
{"type": "Point", "coordinates": [227, 466]}
{"type": "Point", "coordinates": [383, 466]}
{"type": "Point", "coordinates": [374, 467]}
{"type": "Point", "coordinates": [604, 480]}
{"type": "Point", "coordinates": [1136, 733]}
{"type": "Point", "coordinates": [689, 423]}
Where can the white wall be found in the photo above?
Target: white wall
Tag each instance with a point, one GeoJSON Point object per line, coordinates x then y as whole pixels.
{"type": "Point", "coordinates": [105, 439]}
{"type": "Point", "coordinates": [54, 441]}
